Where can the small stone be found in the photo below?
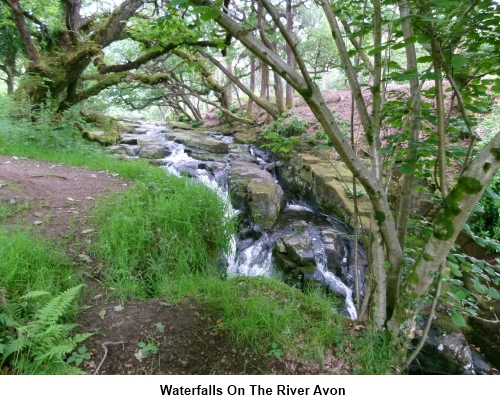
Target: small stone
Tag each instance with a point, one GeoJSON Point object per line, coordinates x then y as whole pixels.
{"type": "Point", "coordinates": [85, 258]}
{"type": "Point", "coordinates": [12, 202]}
{"type": "Point", "coordinates": [89, 198]}
{"type": "Point", "coordinates": [37, 223]}
{"type": "Point", "coordinates": [85, 231]}
{"type": "Point", "coordinates": [70, 199]}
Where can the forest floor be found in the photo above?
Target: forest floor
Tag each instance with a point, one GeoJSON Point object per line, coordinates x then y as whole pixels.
{"type": "Point", "coordinates": [185, 338]}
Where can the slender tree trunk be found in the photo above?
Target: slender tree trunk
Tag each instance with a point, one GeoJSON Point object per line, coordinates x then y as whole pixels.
{"type": "Point", "coordinates": [278, 90]}
{"type": "Point", "coordinates": [228, 89]}
{"type": "Point", "coordinates": [290, 58]}
{"type": "Point", "coordinates": [268, 107]}
{"type": "Point", "coordinates": [415, 117]}
{"type": "Point", "coordinates": [252, 89]}
{"type": "Point", "coordinates": [264, 83]}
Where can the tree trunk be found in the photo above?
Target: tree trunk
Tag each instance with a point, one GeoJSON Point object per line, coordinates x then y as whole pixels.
{"type": "Point", "coordinates": [227, 85]}
{"type": "Point", "coordinates": [278, 90]}
{"type": "Point", "coordinates": [252, 89]}
{"type": "Point", "coordinates": [290, 58]}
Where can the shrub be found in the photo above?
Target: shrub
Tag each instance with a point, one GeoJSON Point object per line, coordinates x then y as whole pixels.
{"type": "Point", "coordinates": [287, 126]}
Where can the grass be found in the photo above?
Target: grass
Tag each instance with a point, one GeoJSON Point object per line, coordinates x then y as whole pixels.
{"type": "Point", "coordinates": [159, 229]}
{"type": "Point", "coordinates": [31, 263]}
{"type": "Point", "coordinates": [260, 311]}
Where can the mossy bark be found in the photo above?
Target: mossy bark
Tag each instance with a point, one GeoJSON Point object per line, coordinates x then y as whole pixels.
{"type": "Point", "coordinates": [109, 137]}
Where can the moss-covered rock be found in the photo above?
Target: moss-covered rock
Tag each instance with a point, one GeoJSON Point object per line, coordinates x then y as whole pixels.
{"type": "Point", "coordinates": [198, 140]}
{"type": "Point", "coordinates": [179, 125]}
{"type": "Point", "coordinates": [326, 183]}
{"type": "Point", "coordinates": [97, 136]}
{"type": "Point", "coordinates": [245, 137]}
{"type": "Point", "coordinates": [265, 202]}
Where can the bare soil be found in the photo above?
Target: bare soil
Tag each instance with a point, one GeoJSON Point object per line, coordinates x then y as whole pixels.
{"type": "Point", "coordinates": [175, 339]}
{"type": "Point", "coordinates": [52, 197]}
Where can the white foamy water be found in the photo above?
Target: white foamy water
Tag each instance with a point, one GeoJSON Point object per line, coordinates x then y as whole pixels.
{"type": "Point", "coordinates": [325, 277]}
{"type": "Point", "coordinates": [255, 260]}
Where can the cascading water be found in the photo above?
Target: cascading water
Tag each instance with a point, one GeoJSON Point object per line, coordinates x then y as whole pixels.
{"type": "Point", "coordinates": [252, 257]}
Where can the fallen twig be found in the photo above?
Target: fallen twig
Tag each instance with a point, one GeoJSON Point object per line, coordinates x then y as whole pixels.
{"type": "Point", "coordinates": [104, 346]}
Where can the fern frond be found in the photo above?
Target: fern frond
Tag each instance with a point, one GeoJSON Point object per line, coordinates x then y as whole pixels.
{"type": "Point", "coordinates": [16, 345]}
{"type": "Point", "coordinates": [80, 337]}
{"type": "Point", "coordinates": [34, 294]}
{"type": "Point", "coordinates": [11, 310]}
{"type": "Point", "coordinates": [56, 352]}
{"type": "Point", "coordinates": [7, 320]}
{"type": "Point", "coordinates": [55, 308]}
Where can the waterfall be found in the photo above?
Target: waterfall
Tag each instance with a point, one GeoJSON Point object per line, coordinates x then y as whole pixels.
{"type": "Point", "coordinates": [255, 257]}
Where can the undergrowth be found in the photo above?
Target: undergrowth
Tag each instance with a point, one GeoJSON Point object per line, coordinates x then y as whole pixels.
{"type": "Point", "coordinates": [38, 287]}
{"type": "Point", "coordinates": [160, 229]}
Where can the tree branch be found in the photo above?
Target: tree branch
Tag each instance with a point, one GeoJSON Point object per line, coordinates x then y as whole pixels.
{"type": "Point", "coordinates": [268, 107]}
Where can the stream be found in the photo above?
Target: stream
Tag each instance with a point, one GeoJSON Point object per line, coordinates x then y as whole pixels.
{"type": "Point", "coordinates": [313, 247]}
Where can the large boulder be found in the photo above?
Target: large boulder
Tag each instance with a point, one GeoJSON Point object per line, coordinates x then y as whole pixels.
{"type": "Point", "coordinates": [125, 150]}
{"type": "Point", "coordinates": [485, 334]}
{"type": "Point", "coordinates": [180, 125]}
{"type": "Point", "coordinates": [294, 255]}
{"type": "Point", "coordinates": [150, 148]}
{"type": "Point", "coordinates": [299, 248]}
{"type": "Point", "coordinates": [255, 193]}
{"type": "Point", "coordinates": [445, 350]}
{"type": "Point", "coordinates": [199, 140]}
{"type": "Point", "coordinates": [245, 137]}
{"type": "Point", "coordinates": [340, 257]}
{"type": "Point", "coordinates": [265, 202]}
{"type": "Point", "coordinates": [327, 183]}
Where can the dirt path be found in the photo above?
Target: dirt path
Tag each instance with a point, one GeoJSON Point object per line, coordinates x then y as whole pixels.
{"type": "Point", "coordinates": [158, 338]}
{"type": "Point", "coordinates": [53, 197]}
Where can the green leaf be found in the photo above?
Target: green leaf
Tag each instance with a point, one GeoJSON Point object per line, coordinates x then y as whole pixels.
{"type": "Point", "coordinates": [377, 49]}
{"type": "Point", "coordinates": [456, 271]}
{"type": "Point", "coordinates": [494, 294]}
{"type": "Point", "coordinates": [460, 295]}
{"type": "Point", "coordinates": [424, 59]}
{"type": "Point", "coordinates": [406, 169]}
{"type": "Point", "coordinates": [481, 289]}
{"type": "Point", "coordinates": [458, 62]}
{"type": "Point", "coordinates": [490, 271]}
{"type": "Point", "coordinates": [458, 319]}
{"type": "Point", "coordinates": [201, 9]}
{"type": "Point", "coordinates": [475, 109]}
{"type": "Point", "coordinates": [178, 2]}
{"type": "Point", "coordinates": [210, 15]}
{"type": "Point", "coordinates": [387, 265]}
